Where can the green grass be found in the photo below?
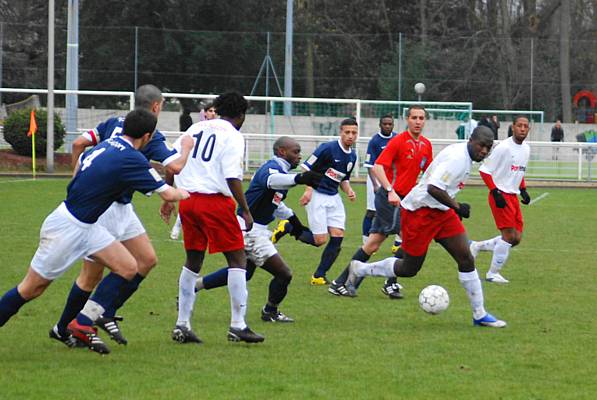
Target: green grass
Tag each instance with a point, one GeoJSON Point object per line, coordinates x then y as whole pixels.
{"type": "Point", "coordinates": [368, 347]}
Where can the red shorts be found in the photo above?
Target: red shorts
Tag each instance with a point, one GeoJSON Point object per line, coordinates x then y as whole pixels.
{"type": "Point", "coordinates": [419, 227]}
{"type": "Point", "coordinates": [509, 216]}
{"type": "Point", "coordinates": [209, 220]}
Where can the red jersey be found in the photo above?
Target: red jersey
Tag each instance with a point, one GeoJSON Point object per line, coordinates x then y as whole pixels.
{"type": "Point", "coordinates": [408, 157]}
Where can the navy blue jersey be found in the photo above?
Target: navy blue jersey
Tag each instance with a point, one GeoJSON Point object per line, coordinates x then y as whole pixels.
{"type": "Point", "coordinates": [334, 163]}
{"type": "Point", "coordinates": [263, 201]}
{"type": "Point", "coordinates": [376, 145]}
{"type": "Point", "coordinates": [157, 149]}
{"type": "Point", "coordinates": [110, 170]}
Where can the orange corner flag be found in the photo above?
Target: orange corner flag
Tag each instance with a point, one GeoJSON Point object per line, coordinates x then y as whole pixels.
{"type": "Point", "coordinates": [32, 124]}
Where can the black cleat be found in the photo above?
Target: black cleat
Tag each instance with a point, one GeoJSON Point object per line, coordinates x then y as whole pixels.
{"type": "Point", "coordinates": [392, 290]}
{"type": "Point", "coordinates": [68, 339]}
{"type": "Point", "coordinates": [338, 289]}
{"type": "Point", "coordinates": [182, 334]}
{"type": "Point", "coordinates": [88, 335]}
{"type": "Point", "coordinates": [244, 335]}
{"type": "Point", "coordinates": [110, 326]}
{"type": "Point", "coordinates": [275, 316]}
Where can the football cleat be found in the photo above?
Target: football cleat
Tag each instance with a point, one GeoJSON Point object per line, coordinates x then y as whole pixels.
{"type": "Point", "coordinates": [284, 228]}
{"type": "Point", "coordinates": [182, 334]}
{"type": "Point", "coordinates": [474, 248]}
{"type": "Point", "coordinates": [351, 280]}
{"type": "Point", "coordinates": [319, 281]}
{"type": "Point", "coordinates": [88, 335]}
{"type": "Point", "coordinates": [110, 326]}
{"type": "Point", "coordinates": [275, 316]}
{"type": "Point", "coordinates": [338, 289]}
{"type": "Point", "coordinates": [67, 339]}
{"type": "Point", "coordinates": [392, 290]}
{"type": "Point", "coordinates": [496, 278]}
{"type": "Point", "coordinates": [244, 335]}
{"type": "Point", "coordinates": [489, 321]}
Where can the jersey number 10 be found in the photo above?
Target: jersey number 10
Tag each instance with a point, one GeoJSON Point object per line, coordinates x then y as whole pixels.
{"type": "Point", "coordinates": [208, 149]}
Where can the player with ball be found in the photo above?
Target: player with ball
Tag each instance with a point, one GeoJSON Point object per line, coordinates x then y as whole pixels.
{"type": "Point", "coordinates": [429, 212]}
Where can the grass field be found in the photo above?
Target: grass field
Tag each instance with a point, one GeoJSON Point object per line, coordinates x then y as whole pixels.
{"type": "Point", "coordinates": [367, 347]}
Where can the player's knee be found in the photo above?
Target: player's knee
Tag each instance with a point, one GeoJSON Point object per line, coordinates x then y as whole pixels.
{"type": "Point", "coordinates": [147, 263]}
{"type": "Point", "coordinates": [31, 291]}
{"type": "Point", "coordinates": [320, 240]}
{"type": "Point", "coordinates": [466, 264]}
{"type": "Point", "coordinates": [285, 276]}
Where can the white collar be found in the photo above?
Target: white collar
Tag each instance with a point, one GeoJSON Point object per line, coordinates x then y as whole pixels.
{"type": "Point", "coordinates": [342, 147]}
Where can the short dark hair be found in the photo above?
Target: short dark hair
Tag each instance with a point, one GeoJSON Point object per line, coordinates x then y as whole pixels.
{"type": "Point", "coordinates": [146, 95]}
{"type": "Point", "coordinates": [231, 104]}
{"type": "Point", "coordinates": [283, 142]}
{"type": "Point", "coordinates": [415, 107]}
{"type": "Point", "coordinates": [138, 122]}
{"type": "Point", "coordinates": [349, 122]}
{"type": "Point", "coordinates": [482, 133]}
{"type": "Point", "coordinates": [386, 116]}
{"type": "Point", "coordinates": [517, 117]}
{"type": "Point", "coordinates": [207, 106]}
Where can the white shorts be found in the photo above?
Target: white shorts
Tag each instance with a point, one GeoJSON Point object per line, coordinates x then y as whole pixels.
{"type": "Point", "coordinates": [63, 239]}
{"type": "Point", "coordinates": [121, 221]}
{"type": "Point", "coordinates": [325, 211]}
{"type": "Point", "coordinates": [370, 195]}
{"type": "Point", "coordinates": [258, 243]}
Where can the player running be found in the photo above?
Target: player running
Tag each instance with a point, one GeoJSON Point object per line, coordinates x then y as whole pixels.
{"type": "Point", "coordinates": [430, 212]}
{"type": "Point", "coordinates": [114, 168]}
{"type": "Point", "coordinates": [121, 221]}
{"type": "Point", "coordinates": [265, 197]}
{"type": "Point", "coordinates": [503, 173]}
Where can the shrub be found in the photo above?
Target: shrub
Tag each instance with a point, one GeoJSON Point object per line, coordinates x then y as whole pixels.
{"type": "Point", "coordinates": [16, 126]}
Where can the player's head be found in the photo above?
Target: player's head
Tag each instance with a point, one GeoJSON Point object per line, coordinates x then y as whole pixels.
{"type": "Point", "coordinates": [349, 131]}
{"type": "Point", "coordinates": [232, 107]}
{"type": "Point", "coordinates": [139, 124]}
{"type": "Point", "coordinates": [386, 124]}
{"type": "Point", "coordinates": [415, 119]}
{"type": "Point", "coordinates": [520, 128]}
{"type": "Point", "coordinates": [288, 149]}
{"type": "Point", "coordinates": [150, 98]}
{"type": "Point", "coordinates": [480, 143]}
{"type": "Point", "coordinates": [209, 111]}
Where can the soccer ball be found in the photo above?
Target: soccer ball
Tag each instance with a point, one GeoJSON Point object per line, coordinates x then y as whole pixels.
{"type": "Point", "coordinates": [434, 299]}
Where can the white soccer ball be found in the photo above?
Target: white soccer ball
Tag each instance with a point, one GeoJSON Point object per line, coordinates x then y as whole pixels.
{"type": "Point", "coordinates": [420, 88]}
{"type": "Point", "coordinates": [434, 299]}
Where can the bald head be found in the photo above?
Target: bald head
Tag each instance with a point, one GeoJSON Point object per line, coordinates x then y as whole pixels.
{"type": "Point", "coordinates": [146, 96]}
{"type": "Point", "coordinates": [288, 149]}
{"type": "Point", "coordinates": [480, 143]}
{"type": "Point", "coordinates": [283, 142]}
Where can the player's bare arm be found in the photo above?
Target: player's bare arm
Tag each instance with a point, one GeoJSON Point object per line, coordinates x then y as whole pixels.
{"type": "Point", "coordinates": [306, 197]}
{"type": "Point", "coordinates": [174, 194]}
{"type": "Point", "coordinates": [346, 188]}
{"type": "Point", "coordinates": [381, 177]}
{"type": "Point", "coordinates": [186, 144]}
{"type": "Point", "coordinates": [236, 187]}
{"type": "Point", "coordinates": [462, 209]}
{"type": "Point", "coordinates": [79, 146]}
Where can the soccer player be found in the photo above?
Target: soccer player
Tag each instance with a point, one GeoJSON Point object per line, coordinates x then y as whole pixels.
{"type": "Point", "coordinates": [120, 220]}
{"type": "Point", "coordinates": [213, 175]}
{"type": "Point", "coordinates": [113, 169]}
{"type": "Point", "coordinates": [429, 212]}
{"type": "Point", "coordinates": [265, 196]}
{"type": "Point", "coordinates": [325, 211]}
{"type": "Point", "coordinates": [503, 173]}
{"type": "Point", "coordinates": [396, 169]}
{"type": "Point", "coordinates": [208, 112]}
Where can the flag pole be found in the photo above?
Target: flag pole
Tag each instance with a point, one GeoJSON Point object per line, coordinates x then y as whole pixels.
{"type": "Point", "coordinates": [33, 154]}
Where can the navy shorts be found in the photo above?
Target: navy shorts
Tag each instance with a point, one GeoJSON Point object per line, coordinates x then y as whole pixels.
{"type": "Point", "coordinates": [387, 217]}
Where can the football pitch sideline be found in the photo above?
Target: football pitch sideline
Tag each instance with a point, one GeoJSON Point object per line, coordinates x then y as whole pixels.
{"type": "Point", "coordinates": [364, 347]}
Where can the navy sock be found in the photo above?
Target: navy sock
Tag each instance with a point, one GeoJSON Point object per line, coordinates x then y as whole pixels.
{"type": "Point", "coordinates": [359, 255]}
{"type": "Point", "coordinates": [270, 309]}
{"type": "Point", "coordinates": [74, 303]}
{"type": "Point", "coordinates": [367, 221]}
{"type": "Point", "coordinates": [125, 293]}
{"type": "Point", "coordinates": [329, 255]}
{"type": "Point", "coordinates": [306, 236]}
{"type": "Point", "coordinates": [105, 294]}
{"type": "Point", "coordinates": [10, 304]}
{"type": "Point", "coordinates": [216, 279]}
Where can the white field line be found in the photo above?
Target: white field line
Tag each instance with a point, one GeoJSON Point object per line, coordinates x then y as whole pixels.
{"type": "Point", "coordinates": [541, 197]}
{"type": "Point", "coordinates": [17, 180]}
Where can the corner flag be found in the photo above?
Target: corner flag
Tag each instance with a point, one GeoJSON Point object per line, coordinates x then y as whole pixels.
{"type": "Point", "coordinates": [31, 134]}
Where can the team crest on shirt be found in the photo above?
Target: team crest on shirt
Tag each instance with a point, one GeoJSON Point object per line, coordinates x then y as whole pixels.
{"type": "Point", "coordinates": [349, 166]}
{"type": "Point", "coordinates": [446, 178]}
{"type": "Point", "coordinates": [277, 199]}
{"type": "Point", "coordinates": [312, 159]}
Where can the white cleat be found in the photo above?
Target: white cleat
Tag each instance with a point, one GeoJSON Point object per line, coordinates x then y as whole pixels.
{"type": "Point", "coordinates": [496, 278]}
{"type": "Point", "coordinates": [474, 247]}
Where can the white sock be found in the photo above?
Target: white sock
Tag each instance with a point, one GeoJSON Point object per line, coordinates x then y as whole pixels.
{"type": "Point", "coordinates": [472, 284]}
{"type": "Point", "coordinates": [186, 296]}
{"type": "Point", "coordinates": [237, 288]}
{"type": "Point", "coordinates": [488, 245]}
{"type": "Point", "coordinates": [199, 285]}
{"type": "Point", "coordinates": [92, 310]}
{"type": "Point", "coordinates": [379, 268]}
{"type": "Point", "coordinates": [500, 256]}
{"type": "Point", "coordinates": [365, 239]}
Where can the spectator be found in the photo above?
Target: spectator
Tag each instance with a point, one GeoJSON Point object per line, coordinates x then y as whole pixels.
{"type": "Point", "coordinates": [557, 135]}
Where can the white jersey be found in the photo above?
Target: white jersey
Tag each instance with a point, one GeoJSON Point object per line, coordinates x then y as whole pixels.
{"type": "Point", "coordinates": [448, 171]}
{"type": "Point", "coordinates": [216, 156]}
{"type": "Point", "coordinates": [506, 164]}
